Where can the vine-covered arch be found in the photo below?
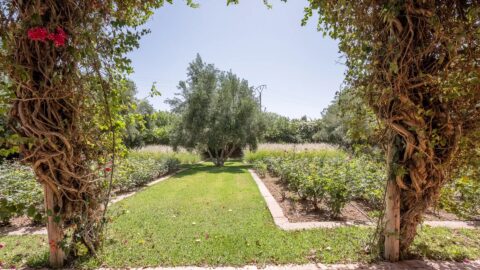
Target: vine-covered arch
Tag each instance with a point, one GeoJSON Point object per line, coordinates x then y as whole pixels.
{"type": "Point", "coordinates": [415, 63]}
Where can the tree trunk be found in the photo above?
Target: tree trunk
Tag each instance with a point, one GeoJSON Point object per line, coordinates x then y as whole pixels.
{"type": "Point", "coordinates": [54, 111]}
{"type": "Point", "coordinates": [392, 206]}
{"type": "Point", "coordinates": [54, 229]}
{"type": "Point", "coordinates": [219, 162]}
{"type": "Point", "coordinates": [421, 169]}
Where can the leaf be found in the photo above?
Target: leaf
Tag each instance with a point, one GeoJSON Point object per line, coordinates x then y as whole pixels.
{"type": "Point", "coordinates": [393, 67]}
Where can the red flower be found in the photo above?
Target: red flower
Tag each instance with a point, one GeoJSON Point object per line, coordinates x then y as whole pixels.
{"type": "Point", "coordinates": [58, 38]}
{"type": "Point", "coordinates": [53, 245]}
{"type": "Point", "coordinates": [108, 169]}
{"type": "Point", "coordinates": [38, 33]}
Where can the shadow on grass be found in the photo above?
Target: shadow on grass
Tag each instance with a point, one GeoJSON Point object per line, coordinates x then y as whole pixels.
{"type": "Point", "coordinates": [233, 166]}
{"type": "Point", "coordinates": [424, 250]}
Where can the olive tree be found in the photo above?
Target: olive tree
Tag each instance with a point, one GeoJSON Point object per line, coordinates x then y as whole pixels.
{"type": "Point", "coordinates": [218, 112]}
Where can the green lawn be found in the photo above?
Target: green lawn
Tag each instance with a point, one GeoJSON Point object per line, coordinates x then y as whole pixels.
{"type": "Point", "coordinates": [216, 216]}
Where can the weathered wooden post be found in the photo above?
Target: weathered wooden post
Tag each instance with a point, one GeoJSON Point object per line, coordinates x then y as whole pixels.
{"type": "Point", "coordinates": [392, 209]}
{"type": "Point", "coordinates": [392, 222]}
{"type": "Point", "coordinates": [54, 229]}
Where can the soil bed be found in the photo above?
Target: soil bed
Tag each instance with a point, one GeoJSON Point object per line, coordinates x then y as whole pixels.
{"type": "Point", "coordinates": [298, 210]}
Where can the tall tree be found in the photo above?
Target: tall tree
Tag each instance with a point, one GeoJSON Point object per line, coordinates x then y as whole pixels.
{"type": "Point", "coordinates": [417, 65]}
{"type": "Point", "coordinates": [62, 59]}
{"type": "Point", "coordinates": [218, 112]}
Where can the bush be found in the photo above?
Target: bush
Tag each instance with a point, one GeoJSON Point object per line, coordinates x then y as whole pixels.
{"type": "Point", "coordinates": [20, 194]}
{"type": "Point", "coordinates": [139, 168]}
{"type": "Point", "coordinates": [261, 168]}
{"type": "Point", "coordinates": [328, 176]}
{"type": "Point", "coordinates": [462, 197]}
{"type": "Point", "coordinates": [251, 156]}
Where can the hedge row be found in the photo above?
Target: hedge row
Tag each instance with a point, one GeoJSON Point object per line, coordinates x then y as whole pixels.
{"type": "Point", "coordinates": [332, 177]}
{"type": "Point", "coordinates": [329, 176]}
{"type": "Point", "coordinates": [21, 195]}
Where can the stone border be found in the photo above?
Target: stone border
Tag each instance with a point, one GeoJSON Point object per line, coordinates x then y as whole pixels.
{"type": "Point", "coordinates": [283, 223]}
{"type": "Point", "coordinates": [43, 230]}
{"type": "Point", "coordinates": [403, 265]}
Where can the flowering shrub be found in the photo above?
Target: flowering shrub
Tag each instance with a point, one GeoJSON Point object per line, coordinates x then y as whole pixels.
{"type": "Point", "coordinates": [42, 34]}
{"type": "Point", "coordinates": [38, 34]}
{"type": "Point", "coordinates": [21, 195]}
{"type": "Point", "coordinates": [331, 177]}
{"type": "Point", "coordinates": [328, 176]}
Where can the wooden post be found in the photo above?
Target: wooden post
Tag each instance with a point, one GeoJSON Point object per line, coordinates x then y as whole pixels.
{"type": "Point", "coordinates": [392, 222]}
{"type": "Point", "coordinates": [54, 229]}
{"type": "Point", "coordinates": [392, 208]}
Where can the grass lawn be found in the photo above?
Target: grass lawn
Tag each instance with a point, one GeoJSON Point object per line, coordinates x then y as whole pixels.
{"type": "Point", "coordinates": [216, 216]}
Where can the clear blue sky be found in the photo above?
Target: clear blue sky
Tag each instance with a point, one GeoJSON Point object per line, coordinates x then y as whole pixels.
{"type": "Point", "coordinates": [300, 67]}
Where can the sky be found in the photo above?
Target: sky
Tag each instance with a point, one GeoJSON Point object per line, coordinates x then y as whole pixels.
{"type": "Point", "coordinates": [301, 69]}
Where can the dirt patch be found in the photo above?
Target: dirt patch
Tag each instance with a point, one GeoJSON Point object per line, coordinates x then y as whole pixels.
{"type": "Point", "coordinates": [17, 223]}
{"type": "Point", "coordinates": [298, 210]}
{"type": "Point", "coordinates": [440, 215]}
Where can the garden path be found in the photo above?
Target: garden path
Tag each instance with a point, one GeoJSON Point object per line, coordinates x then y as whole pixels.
{"type": "Point", "coordinates": [404, 265]}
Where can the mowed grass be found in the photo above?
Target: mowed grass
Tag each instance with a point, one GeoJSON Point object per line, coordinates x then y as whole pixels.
{"type": "Point", "coordinates": [216, 216]}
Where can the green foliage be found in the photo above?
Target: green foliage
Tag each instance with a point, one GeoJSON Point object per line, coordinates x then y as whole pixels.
{"type": "Point", "coordinates": [20, 194]}
{"type": "Point", "coordinates": [139, 168]}
{"type": "Point", "coordinates": [218, 112]}
{"type": "Point", "coordinates": [141, 123]}
{"type": "Point", "coordinates": [281, 129]}
{"type": "Point", "coordinates": [415, 63]}
{"type": "Point", "coordinates": [328, 176]}
{"type": "Point", "coordinates": [462, 197]}
{"type": "Point", "coordinates": [187, 221]}
{"type": "Point", "coordinates": [347, 122]}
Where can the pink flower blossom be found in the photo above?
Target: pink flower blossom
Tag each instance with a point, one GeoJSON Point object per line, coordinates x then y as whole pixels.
{"type": "Point", "coordinates": [38, 33]}
{"type": "Point", "coordinates": [58, 38]}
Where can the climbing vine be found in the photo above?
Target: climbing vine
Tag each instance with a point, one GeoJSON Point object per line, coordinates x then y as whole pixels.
{"type": "Point", "coordinates": [62, 61]}
{"type": "Point", "coordinates": [417, 64]}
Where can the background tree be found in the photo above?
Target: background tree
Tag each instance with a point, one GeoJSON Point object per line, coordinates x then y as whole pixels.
{"type": "Point", "coordinates": [141, 123]}
{"type": "Point", "coordinates": [218, 112]}
{"type": "Point", "coordinates": [416, 64]}
{"type": "Point", "coordinates": [348, 122]}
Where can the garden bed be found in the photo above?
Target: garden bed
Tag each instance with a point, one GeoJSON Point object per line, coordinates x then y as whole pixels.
{"type": "Point", "coordinates": [298, 210]}
{"type": "Point", "coordinates": [21, 196]}
{"type": "Point", "coordinates": [302, 210]}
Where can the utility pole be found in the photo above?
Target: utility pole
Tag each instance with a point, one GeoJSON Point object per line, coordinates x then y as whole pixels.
{"type": "Point", "coordinates": [259, 89]}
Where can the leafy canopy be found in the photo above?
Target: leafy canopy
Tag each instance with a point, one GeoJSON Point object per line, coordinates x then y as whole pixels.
{"type": "Point", "coordinates": [218, 112]}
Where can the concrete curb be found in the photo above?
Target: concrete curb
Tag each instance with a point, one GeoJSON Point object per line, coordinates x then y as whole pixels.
{"type": "Point", "coordinates": [403, 265]}
{"type": "Point", "coordinates": [283, 223]}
